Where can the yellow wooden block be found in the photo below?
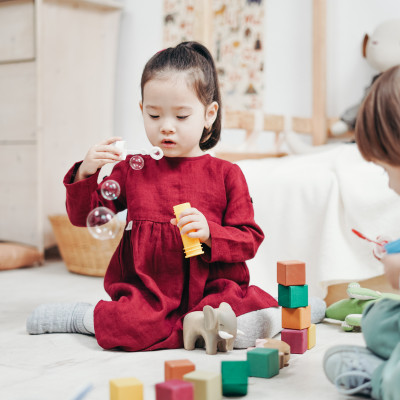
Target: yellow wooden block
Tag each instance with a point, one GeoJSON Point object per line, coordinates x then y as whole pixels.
{"type": "Point", "coordinates": [126, 389]}
{"type": "Point", "coordinates": [311, 336]}
{"type": "Point", "coordinates": [207, 385]}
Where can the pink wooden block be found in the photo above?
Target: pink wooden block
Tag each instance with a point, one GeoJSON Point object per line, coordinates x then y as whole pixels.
{"type": "Point", "coordinates": [296, 338]}
{"type": "Point", "coordinates": [174, 390]}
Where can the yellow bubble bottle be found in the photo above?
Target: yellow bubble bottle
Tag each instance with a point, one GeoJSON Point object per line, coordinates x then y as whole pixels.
{"type": "Point", "coordinates": [191, 246]}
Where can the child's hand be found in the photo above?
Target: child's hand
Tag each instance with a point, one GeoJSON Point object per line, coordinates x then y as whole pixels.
{"type": "Point", "coordinates": [97, 156]}
{"type": "Point", "coordinates": [193, 224]}
{"type": "Point", "coordinates": [392, 269]}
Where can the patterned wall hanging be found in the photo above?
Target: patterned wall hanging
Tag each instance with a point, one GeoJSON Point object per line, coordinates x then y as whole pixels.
{"type": "Point", "coordinates": [236, 43]}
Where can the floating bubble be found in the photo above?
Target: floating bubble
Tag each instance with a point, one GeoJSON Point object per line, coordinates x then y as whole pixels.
{"type": "Point", "coordinates": [156, 153]}
{"type": "Point", "coordinates": [102, 223]}
{"type": "Point", "coordinates": [136, 162]}
{"type": "Point", "coordinates": [379, 251]}
{"type": "Point", "coordinates": [110, 190]}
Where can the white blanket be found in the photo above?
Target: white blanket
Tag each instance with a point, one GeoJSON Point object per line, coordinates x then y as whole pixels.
{"type": "Point", "coordinates": [307, 206]}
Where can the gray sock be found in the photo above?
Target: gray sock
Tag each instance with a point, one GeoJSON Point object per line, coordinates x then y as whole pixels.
{"type": "Point", "coordinates": [60, 318]}
{"type": "Point", "coordinates": [318, 308]}
{"type": "Point", "coordinates": [258, 324]}
{"type": "Point", "coordinates": [267, 323]}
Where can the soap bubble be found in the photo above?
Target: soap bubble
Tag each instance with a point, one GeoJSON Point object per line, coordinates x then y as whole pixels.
{"type": "Point", "coordinates": [156, 153]}
{"type": "Point", "coordinates": [102, 223]}
{"type": "Point", "coordinates": [136, 162]}
{"type": "Point", "coordinates": [379, 249]}
{"type": "Point", "coordinates": [110, 190]}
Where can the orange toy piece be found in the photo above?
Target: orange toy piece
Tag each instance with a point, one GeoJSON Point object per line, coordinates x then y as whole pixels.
{"type": "Point", "coordinates": [175, 369]}
{"type": "Point", "coordinates": [291, 273]}
{"type": "Point", "coordinates": [296, 318]}
{"type": "Point", "coordinates": [192, 246]}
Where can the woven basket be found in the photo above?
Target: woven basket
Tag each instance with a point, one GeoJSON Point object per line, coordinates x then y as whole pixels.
{"type": "Point", "coordinates": [82, 253]}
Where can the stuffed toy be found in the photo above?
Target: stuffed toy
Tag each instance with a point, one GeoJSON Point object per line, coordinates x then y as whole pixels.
{"type": "Point", "coordinates": [382, 52]}
{"type": "Point", "coordinates": [350, 310]}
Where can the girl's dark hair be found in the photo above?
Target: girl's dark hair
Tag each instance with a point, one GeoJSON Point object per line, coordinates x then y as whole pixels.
{"type": "Point", "coordinates": [377, 129]}
{"type": "Point", "coordinates": [196, 60]}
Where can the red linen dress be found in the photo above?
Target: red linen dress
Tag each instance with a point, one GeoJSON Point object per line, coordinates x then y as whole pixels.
{"type": "Point", "coordinates": [151, 283]}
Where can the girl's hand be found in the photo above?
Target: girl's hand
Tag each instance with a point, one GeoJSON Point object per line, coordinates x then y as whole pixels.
{"type": "Point", "coordinates": [193, 224]}
{"type": "Point", "coordinates": [97, 156]}
{"type": "Point", "coordinates": [391, 263]}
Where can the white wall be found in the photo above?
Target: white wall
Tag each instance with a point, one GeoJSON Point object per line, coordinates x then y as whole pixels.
{"type": "Point", "coordinates": [140, 38]}
{"type": "Point", "coordinates": [288, 58]}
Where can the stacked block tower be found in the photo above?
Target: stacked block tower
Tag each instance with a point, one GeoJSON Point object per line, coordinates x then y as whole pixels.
{"type": "Point", "coordinates": [297, 332]}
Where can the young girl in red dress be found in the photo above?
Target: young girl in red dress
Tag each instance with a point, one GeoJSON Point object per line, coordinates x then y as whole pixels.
{"type": "Point", "coordinates": [151, 284]}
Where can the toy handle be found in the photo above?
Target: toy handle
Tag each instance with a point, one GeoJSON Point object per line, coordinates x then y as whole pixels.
{"type": "Point", "coordinates": [392, 247]}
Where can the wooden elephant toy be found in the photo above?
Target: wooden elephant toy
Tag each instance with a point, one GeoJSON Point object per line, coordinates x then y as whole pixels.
{"type": "Point", "coordinates": [214, 328]}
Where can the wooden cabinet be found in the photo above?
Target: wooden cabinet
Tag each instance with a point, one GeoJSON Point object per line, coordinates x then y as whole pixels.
{"type": "Point", "coordinates": [57, 73]}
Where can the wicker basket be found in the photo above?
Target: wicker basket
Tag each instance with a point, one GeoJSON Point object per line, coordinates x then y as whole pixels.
{"type": "Point", "coordinates": [82, 253]}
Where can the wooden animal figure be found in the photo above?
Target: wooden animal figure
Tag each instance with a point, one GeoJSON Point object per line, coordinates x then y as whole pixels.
{"type": "Point", "coordinates": [214, 328]}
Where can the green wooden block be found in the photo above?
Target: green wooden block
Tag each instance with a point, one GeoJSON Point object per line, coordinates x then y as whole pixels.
{"type": "Point", "coordinates": [234, 377]}
{"type": "Point", "coordinates": [263, 363]}
{"type": "Point", "coordinates": [293, 296]}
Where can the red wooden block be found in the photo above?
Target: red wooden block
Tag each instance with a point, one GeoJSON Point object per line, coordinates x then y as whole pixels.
{"type": "Point", "coordinates": [174, 390]}
{"type": "Point", "coordinates": [175, 369]}
{"type": "Point", "coordinates": [291, 273]}
{"type": "Point", "coordinates": [297, 339]}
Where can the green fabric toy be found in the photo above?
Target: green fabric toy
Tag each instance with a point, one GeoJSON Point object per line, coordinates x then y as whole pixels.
{"type": "Point", "coordinates": [350, 310]}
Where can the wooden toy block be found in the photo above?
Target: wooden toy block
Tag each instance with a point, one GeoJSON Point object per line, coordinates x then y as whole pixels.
{"type": "Point", "coordinates": [296, 339]}
{"type": "Point", "coordinates": [291, 273]}
{"type": "Point", "coordinates": [293, 296]}
{"type": "Point", "coordinates": [234, 378]}
{"type": "Point", "coordinates": [296, 318]}
{"type": "Point", "coordinates": [263, 363]}
{"type": "Point", "coordinates": [207, 385]}
{"type": "Point", "coordinates": [126, 389]}
{"type": "Point", "coordinates": [311, 336]}
{"type": "Point", "coordinates": [281, 346]}
{"type": "Point", "coordinates": [175, 369]}
{"type": "Point", "coordinates": [174, 389]}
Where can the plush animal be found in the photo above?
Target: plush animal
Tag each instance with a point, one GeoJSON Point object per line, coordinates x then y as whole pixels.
{"type": "Point", "coordinates": [214, 328]}
{"type": "Point", "coordinates": [382, 51]}
{"type": "Point", "coordinates": [350, 310]}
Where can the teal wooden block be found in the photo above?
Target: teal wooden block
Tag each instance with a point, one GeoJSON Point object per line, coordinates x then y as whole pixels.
{"type": "Point", "coordinates": [293, 296]}
{"type": "Point", "coordinates": [263, 362]}
{"type": "Point", "coordinates": [234, 377]}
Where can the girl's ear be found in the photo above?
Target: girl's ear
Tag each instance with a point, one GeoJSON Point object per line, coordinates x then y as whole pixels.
{"type": "Point", "coordinates": [141, 106]}
{"type": "Point", "coordinates": [211, 114]}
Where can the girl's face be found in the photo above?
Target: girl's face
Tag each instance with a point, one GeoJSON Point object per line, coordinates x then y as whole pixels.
{"type": "Point", "coordinates": [393, 173]}
{"type": "Point", "coordinates": [174, 117]}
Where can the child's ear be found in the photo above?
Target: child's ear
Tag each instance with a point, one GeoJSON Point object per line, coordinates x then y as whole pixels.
{"type": "Point", "coordinates": [211, 113]}
{"type": "Point", "coordinates": [141, 106]}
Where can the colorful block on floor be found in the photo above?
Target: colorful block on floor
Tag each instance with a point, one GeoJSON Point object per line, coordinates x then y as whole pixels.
{"type": "Point", "coordinates": [282, 347]}
{"type": "Point", "coordinates": [174, 389]}
{"type": "Point", "coordinates": [296, 318]}
{"type": "Point", "coordinates": [296, 339]}
{"type": "Point", "coordinates": [175, 369]}
{"type": "Point", "coordinates": [293, 296]}
{"type": "Point", "coordinates": [263, 363]}
{"type": "Point", "coordinates": [311, 336]}
{"type": "Point", "coordinates": [126, 389]}
{"type": "Point", "coordinates": [207, 385]}
{"type": "Point", "coordinates": [234, 377]}
{"type": "Point", "coordinates": [291, 273]}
